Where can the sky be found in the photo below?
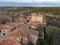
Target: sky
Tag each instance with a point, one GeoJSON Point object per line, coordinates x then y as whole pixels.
{"type": "Point", "coordinates": [30, 2]}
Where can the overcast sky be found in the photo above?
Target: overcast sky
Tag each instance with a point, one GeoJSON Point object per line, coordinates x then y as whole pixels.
{"type": "Point", "coordinates": [56, 2]}
{"type": "Point", "coordinates": [30, 1]}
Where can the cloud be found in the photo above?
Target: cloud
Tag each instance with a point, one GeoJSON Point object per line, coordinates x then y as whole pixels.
{"type": "Point", "coordinates": [29, 1]}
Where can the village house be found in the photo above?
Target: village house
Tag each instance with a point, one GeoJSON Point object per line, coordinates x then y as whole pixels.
{"type": "Point", "coordinates": [4, 19]}
{"type": "Point", "coordinates": [31, 27]}
{"type": "Point", "coordinates": [14, 24]}
{"type": "Point", "coordinates": [34, 24]}
{"type": "Point", "coordinates": [23, 21]}
{"type": "Point", "coordinates": [37, 17]}
{"type": "Point", "coordinates": [15, 19]}
{"type": "Point", "coordinates": [5, 31]}
{"type": "Point", "coordinates": [25, 35]}
{"type": "Point", "coordinates": [9, 42]}
{"type": "Point", "coordinates": [19, 35]}
{"type": "Point", "coordinates": [33, 36]}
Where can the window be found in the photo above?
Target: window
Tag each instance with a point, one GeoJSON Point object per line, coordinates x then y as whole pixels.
{"type": "Point", "coordinates": [4, 34]}
{"type": "Point", "coordinates": [29, 27]}
{"type": "Point", "coordinates": [0, 31]}
{"type": "Point", "coordinates": [27, 21]}
{"type": "Point", "coordinates": [21, 39]}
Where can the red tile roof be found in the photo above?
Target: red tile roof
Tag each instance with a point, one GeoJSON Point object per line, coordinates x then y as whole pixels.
{"type": "Point", "coordinates": [23, 31]}
{"type": "Point", "coordinates": [34, 23]}
{"type": "Point", "coordinates": [26, 29]}
{"type": "Point", "coordinates": [5, 27]}
{"type": "Point", "coordinates": [13, 24]}
{"type": "Point", "coordinates": [30, 31]}
{"type": "Point", "coordinates": [22, 20]}
{"type": "Point", "coordinates": [15, 32]}
{"type": "Point", "coordinates": [33, 32]}
{"type": "Point", "coordinates": [18, 32]}
{"type": "Point", "coordinates": [9, 42]}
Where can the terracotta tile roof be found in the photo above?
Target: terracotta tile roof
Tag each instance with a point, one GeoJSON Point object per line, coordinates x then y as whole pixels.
{"type": "Point", "coordinates": [9, 42]}
{"type": "Point", "coordinates": [33, 32]}
{"type": "Point", "coordinates": [5, 27]}
{"type": "Point", "coordinates": [18, 32]}
{"type": "Point", "coordinates": [15, 32]}
{"type": "Point", "coordinates": [26, 29]}
{"type": "Point", "coordinates": [34, 23]}
{"type": "Point", "coordinates": [13, 24]}
{"type": "Point", "coordinates": [26, 26]}
{"type": "Point", "coordinates": [22, 20]}
{"type": "Point", "coordinates": [30, 31]}
{"type": "Point", "coordinates": [23, 31]}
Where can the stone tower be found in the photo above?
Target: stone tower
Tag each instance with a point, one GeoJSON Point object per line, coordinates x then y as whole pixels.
{"type": "Point", "coordinates": [37, 17]}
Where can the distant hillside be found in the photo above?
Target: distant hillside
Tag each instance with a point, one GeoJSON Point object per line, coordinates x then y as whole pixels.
{"type": "Point", "coordinates": [54, 10]}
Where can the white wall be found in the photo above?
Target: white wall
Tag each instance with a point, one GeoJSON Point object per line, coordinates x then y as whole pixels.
{"type": "Point", "coordinates": [6, 36]}
{"type": "Point", "coordinates": [34, 39]}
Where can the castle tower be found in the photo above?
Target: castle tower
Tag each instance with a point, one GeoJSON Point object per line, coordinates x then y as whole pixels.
{"type": "Point", "coordinates": [4, 31]}
{"type": "Point", "coordinates": [37, 17]}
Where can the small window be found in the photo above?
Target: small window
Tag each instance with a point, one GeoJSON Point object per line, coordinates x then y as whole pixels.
{"type": "Point", "coordinates": [27, 21]}
{"type": "Point", "coordinates": [21, 39]}
{"type": "Point", "coordinates": [0, 31]}
{"type": "Point", "coordinates": [4, 34]}
{"type": "Point", "coordinates": [29, 27]}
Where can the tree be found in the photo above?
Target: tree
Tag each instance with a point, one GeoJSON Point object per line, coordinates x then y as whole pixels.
{"type": "Point", "coordinates": [45, 35]}
{"type": "Point", "coordinates": [40, 41]}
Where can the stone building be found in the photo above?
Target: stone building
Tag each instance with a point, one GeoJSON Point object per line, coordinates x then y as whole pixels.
{"type": "Point", "coordinates": [37, 17]}
{"type": "Point", "coordinates": [33, 36]}
{"type": "Point", "coordinates": [19, 35]}
{"type": "Point", "coordinates": [34, 24]}
{"type": "Point", "coordinates": [9, 42]}
{"type": "Point", "coordinates": [4, 31]}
